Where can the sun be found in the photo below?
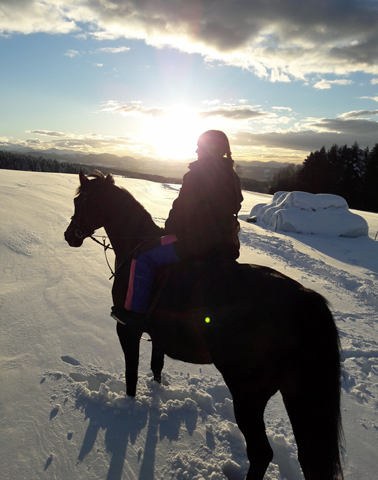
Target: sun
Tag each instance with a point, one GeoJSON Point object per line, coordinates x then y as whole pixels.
{"type": "Point", "coordinates": [175, 135]}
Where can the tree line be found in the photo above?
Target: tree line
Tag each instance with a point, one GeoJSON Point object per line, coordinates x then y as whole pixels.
{"type": "Point", "coordinates": [18, 161]}
{"type": "Point", "coordinates": [349, 172]}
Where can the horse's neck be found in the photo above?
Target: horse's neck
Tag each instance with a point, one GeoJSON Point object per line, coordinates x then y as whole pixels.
{"type": "Point", "coordinates": [129, 226]}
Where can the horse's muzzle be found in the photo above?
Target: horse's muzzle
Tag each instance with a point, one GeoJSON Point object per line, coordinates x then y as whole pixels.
{"type": "Point", "coordinates": [71, 237]}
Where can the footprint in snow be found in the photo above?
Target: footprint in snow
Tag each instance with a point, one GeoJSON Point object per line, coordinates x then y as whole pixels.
{"type": "Point", "coordinates": [94, 381]}
{"type": "Point", "coordinates": [70, 360]}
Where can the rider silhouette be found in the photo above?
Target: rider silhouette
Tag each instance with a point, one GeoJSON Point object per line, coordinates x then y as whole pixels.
{"type": "Point", "coordinates": [202, 224]}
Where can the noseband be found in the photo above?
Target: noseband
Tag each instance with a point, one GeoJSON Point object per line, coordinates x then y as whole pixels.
{"type": "Point", "coordinates": [80, 232]}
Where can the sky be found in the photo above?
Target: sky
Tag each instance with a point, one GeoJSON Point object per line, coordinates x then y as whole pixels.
{"type": "Point", "coordinates": [146, 78]}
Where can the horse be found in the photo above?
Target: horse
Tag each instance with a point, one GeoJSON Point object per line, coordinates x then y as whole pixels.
{"type": "Point", "coordinates": [263, 331]}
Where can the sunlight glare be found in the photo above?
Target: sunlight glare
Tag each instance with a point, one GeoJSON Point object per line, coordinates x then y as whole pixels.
{"type": "Point", "coordinates": [175, 135]}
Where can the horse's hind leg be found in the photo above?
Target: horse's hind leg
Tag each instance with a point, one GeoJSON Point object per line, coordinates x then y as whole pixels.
{"type": "Point", "coordinates": [250, 419]}
{"type": "Point", "coordinates": [249, 409]}
{"type": "Point", "coordinates": [311, 446]}
{"type": "Point", "coordinates": [157, 363]}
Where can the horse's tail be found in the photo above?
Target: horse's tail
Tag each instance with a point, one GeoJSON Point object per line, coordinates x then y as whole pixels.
{"type": "Point", "coordinates": [330, 367]}
{"type": "Point", "coordinates": [316, 412]}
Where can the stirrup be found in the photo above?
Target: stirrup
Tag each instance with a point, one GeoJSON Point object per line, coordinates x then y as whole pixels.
{"type": "Point", "coordinates": [117, 319]}
{"type": "Point", "coordinates": [128, 318]}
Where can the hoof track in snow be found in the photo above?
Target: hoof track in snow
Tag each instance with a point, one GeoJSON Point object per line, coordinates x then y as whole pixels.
{"type": "Point", "coordinates": [93, 381]}
{"type": "Point", "coordinates": [360, 378]}
{"type": "Point", "coordinates": [197, 413]}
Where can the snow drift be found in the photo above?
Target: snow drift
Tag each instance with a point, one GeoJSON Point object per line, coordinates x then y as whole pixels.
{"type": "Point", "coordinates": [302, 212]}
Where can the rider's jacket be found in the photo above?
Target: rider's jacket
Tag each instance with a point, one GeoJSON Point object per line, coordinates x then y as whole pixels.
{"type": "Point", "coordinates": [204, 216]}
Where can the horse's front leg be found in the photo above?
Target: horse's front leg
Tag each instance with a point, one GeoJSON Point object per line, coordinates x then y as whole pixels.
{"type": "Point", "coordinates": [157, 363]}
{"type": "Point", "coordinates": [130, 342]}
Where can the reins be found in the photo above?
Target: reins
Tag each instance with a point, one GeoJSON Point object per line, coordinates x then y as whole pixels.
{"type": "Point", "coordinates": [81, 233]}
{"type": "Point", "coordinates": [106, 248]}
{"type": "Point", "coordinates": [109, 247]}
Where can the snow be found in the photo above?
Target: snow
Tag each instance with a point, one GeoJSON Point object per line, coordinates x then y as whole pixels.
{"type": "Point", "coordinates": [306, 213]}
{"type": "Point", "coordinates": [63, 410]}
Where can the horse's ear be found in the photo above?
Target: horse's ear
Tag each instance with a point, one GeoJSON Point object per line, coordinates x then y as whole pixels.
{"type": "Point", "coordinates": [109, 178]}
{"type": "Point", "coordinates": [82, 177]}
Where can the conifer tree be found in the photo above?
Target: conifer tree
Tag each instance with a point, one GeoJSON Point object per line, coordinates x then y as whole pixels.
{"type": "Point", "coordinates": [370, 184]}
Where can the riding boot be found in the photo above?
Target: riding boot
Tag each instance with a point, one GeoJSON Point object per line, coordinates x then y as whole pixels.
{"type": "Point", "coordinates": [134, 320]}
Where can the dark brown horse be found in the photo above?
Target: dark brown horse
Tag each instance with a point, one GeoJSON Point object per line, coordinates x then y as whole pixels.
{"type": "Point", "coordinates": [262, 330]}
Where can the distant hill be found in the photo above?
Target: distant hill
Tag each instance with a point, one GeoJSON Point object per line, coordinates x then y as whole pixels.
{"type": "Point", "coordinates": [262, 171]}
{"type": "Point", "coordinates": [20, 161]}
{"type": "Point", "coordinates": [255, 176]}
{"type": "Point", "coordinates": [255, 170]}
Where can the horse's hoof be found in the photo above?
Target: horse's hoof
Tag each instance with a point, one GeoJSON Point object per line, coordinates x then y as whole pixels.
{"type": "Point", "coordinates": [157, 378]}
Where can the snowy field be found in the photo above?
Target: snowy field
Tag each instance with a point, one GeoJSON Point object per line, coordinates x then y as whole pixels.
{"type": "Point", "coordinates": [63, 411]}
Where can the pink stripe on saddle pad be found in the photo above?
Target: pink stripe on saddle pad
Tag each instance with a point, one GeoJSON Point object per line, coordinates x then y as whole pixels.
{"type": "Point", "coordinates": [168, 239]}
{"type": "Point", "coordinates": [130, 290]}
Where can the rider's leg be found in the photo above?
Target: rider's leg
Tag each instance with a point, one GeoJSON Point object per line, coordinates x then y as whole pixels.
{"type": "Point", "coordinates": [143, 269]}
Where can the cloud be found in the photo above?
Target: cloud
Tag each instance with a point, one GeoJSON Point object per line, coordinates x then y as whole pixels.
{"type": "Point", "coordinates": [277, 76]}
{"type": "Point", "coordinates": [92, 142]}
{"type": "Point", "coordinates": [317, 133]}
{"type": "Point", "coordinates": [211, 102]}
{"type": "Point", "coordinates": [358, 113]}
{"type": "Point", "coordinates": [48, 133]}
{"type": "Point", "coordinates": [326, 84]}
{"type": "Point", "coordinates": [244, 112]}
{"type": "Point", "coordinates": [302, 141]}
{"type": "Point", "coordinates": [230, 112]}
{"type": "Point", "coordinates": [278, 40]}
{"type": "Point", "coordinates": [375, 99]}
{"type": "Point", "coordinates": [283, 108]}
{"type": "Point", "coordinates": [374, 81]}
{"type": "Point", "coordinates": [35, 16]}
{"type": "Point", "coordinates": [347, 131]}
{"type": "Point", "coordinates": [113, 49]}
{"type": "Point", "coordinates": [72, 53]}
{"type": "Point", "coordinates": [135, 108]}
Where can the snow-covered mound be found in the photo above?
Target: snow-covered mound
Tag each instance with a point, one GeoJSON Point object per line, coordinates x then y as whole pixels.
{"type": "Point", "coordinates": [302, 212]}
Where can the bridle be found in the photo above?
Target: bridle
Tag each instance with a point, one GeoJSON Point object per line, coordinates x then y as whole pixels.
{"type": "Point", "coordinates": [89, 233]}
{"type": "Point", "coordinates": [80, 232]}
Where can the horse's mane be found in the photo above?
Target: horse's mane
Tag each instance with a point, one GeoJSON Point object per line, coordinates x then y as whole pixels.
{"type": "Point", "coordinates": [99, 180]}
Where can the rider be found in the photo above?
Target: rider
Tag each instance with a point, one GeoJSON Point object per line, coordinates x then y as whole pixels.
{"type": "Point", "coordinates": [202, 223]}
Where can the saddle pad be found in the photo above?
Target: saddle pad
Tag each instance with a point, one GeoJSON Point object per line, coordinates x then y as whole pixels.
{"type": "Point", "coordinates": [175, 283]}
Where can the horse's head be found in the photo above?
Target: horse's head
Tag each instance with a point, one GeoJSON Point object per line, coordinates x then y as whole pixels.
{"type": "Point", "coordinates": [89, 207]}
